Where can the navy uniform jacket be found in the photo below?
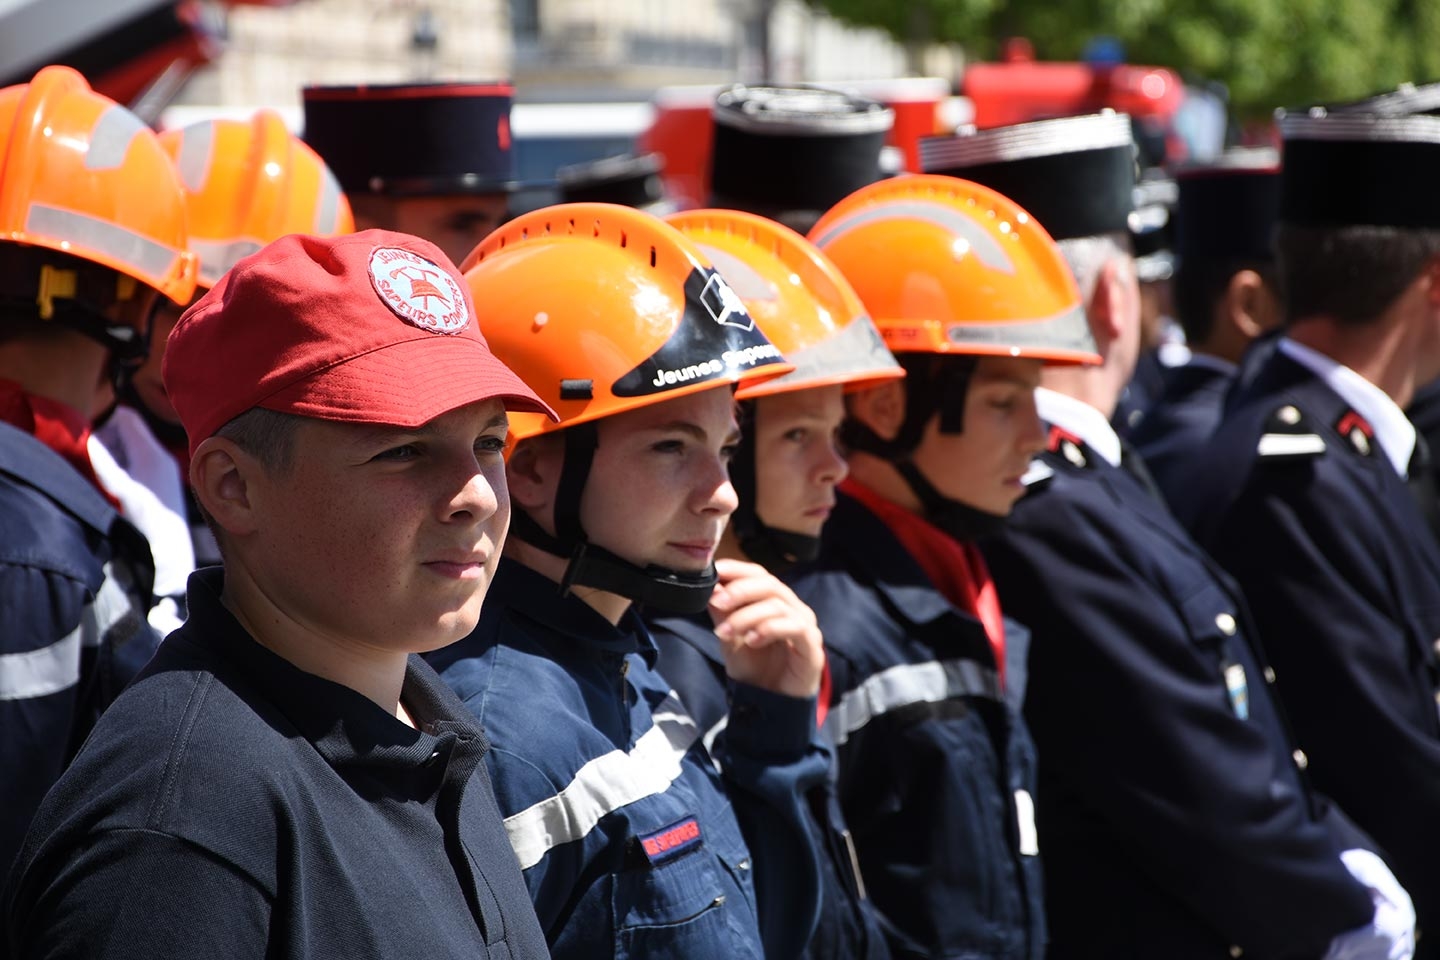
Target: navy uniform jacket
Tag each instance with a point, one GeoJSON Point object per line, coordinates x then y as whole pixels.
{"type": "Point", "coordinates": [231, 805]}
{"type": "Point", "coordinates": [74, 587]}
{"type": "Point", "coordinates": [692, 662]}
{"type": "Point", "coordinates": [1180, 420]}
{"type": "Point", "coordinates": [1344, 580]}
{"type": "Point", "coordinates": [936, 769]}
{"type": "Point", "coordinates": [1174, 819]}
{"type": "Point", "coordinates": [632, 843]}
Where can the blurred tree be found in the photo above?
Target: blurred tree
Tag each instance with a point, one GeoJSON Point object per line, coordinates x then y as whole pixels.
{"type": "Point", "coordinates": [1268, 53]}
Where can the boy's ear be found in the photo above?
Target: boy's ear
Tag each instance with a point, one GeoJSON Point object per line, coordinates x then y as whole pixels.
{"type": "Point", "coordinates": [532, 471]}
{"type": "Point", "coordinates": [222, 476]}
{"type": "Point", "coordinates": [881, 408]}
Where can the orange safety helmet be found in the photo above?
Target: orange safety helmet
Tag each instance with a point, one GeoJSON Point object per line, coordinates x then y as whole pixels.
{"type": "Point", "coordinates": [83, 176]}
{"type": "Point", "coordinates": [798, 297]}
{"type": "Point", "coordinates": [947, 266]}
{"type": "Point", "coordinates": [603, 309]}
{"type": "Point", "coordinates": [248, 183]}
{"type": "Point", "coordinates": [808, 309]}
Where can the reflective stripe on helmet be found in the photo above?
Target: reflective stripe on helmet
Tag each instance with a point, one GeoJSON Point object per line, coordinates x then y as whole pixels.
{"type": "Point", "coordinates": [145, 257]}
{"type": "Point", "coordinates": [218, 256]}
{"type": "Point", "coordinates": [853, 350]}
{"type": "Point", "coordinates": [985, 247]}
{"type": "Point", "coordinates": [327, 210]}
{"type": "Point", "coordinates": [1068, 330]}
{"type": "Point", "coordinates": [197, 143]}
{"type": "Point", "coordinates": [110, 140]}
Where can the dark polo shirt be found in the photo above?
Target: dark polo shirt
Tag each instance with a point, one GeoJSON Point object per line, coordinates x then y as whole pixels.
{"type": "Point", "coordinates": [231, 805]}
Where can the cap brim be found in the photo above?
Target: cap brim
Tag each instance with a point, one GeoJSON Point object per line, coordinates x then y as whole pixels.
{"type": "Point", "coordinates": [408, 384]}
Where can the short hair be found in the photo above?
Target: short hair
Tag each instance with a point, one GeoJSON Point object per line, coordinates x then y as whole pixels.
{"type": "Point", "coordinates": [1351, 273]}
{"type": "Point", "coordinates": [1087, 255]}
{"type": "Point", "coordinates": [267, 435]}
{"type": "Point", "coordinates": [1198, 285]}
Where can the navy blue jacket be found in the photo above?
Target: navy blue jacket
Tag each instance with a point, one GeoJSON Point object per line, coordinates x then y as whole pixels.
{"type": "Point", "coordinates": [1174, 820]}
{"type": "Point", "coordinates": [934, 765]}
{"type": "Point", "coordinates": [230, 805]}
{"type": "Point", "coordinates": [1343, 577]}
{"type": "Point", "coordinates": [1180, 421]}
{"type": "Point", "coordinates": [632, 842]}
{"type": "Point", "coordinates": [75, 583]}
{"type": "Point", "coordinates": [692, 662]}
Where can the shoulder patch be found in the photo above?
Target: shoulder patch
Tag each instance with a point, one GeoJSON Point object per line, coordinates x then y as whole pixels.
{"type": "Point", "coordinates": [1038, 475]}
{"type": "Point", "coordinates": [1358, 431]}
{"type": "Point", "coordinates": [1067, 445]}
{"type": "Point", "coordinates": [1289, 435]}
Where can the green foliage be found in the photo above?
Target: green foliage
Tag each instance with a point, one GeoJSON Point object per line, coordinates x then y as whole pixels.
{"type": "Point", "coordinates": [1268, 53]}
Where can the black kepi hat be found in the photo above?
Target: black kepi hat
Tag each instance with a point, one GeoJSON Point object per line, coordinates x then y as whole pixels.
{"type": "Point", "coordinates": [1227, 209]}
{"type": "Point", "coordinates": [1342, 168]}
{"type": "Point", "coordinates": [794, 148]}
{"type": "Point", "coordinates": [414, 139]}
{"type": "Point", "coordinates": [1076, 175]}
{"type": "Point", "coordinates": [630, 181]}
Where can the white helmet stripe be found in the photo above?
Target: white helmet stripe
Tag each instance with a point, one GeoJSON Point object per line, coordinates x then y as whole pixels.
{"type": "Point", "coordinates": [149, 261]}
{"type": "Point", "coordinates": [982, 244]}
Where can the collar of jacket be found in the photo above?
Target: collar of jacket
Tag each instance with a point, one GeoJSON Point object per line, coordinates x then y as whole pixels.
{"type": "Point", "coordinates": [534, 596]}
{"type": "Point", "coordinates": [346, 727]}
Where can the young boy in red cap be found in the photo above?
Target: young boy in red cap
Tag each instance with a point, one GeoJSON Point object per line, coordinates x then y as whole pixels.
{"type": "Point", "coordinates": [287, 778]}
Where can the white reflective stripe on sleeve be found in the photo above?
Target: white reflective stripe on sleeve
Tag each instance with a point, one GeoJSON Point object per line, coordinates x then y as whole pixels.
{"type": "Point", "coordinates": [604, 785]}
{"type": "Point", "coordinates": [906, 684]}
{"type": "Point", "coordinates": [39, 673]}
{"type": "Point", "coordinates": [112, 604]}
{"type": "Point", "coordinates": [1025, 816]}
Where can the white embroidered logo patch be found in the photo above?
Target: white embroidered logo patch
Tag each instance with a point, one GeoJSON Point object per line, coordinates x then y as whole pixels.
{"type": "Point", "coordinates": [723, 305]}
{"type": "Point", "coordinates": [418, 291]}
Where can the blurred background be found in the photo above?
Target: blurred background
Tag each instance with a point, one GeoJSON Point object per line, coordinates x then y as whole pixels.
{"type": "Point", "coordinates": [596, 78]}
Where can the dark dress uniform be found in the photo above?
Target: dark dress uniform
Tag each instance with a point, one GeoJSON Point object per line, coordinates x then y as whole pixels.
{"type": "Point", "coordinates": [1304, 509]}
{"type": "Point", "coordinates": [692, 661]}
{"type": "Point", "coordinates": [1174, 819]}
{"type": "Point", "coordinates": [1181, 419]}
{"type": "Point", "coordinates": [936, 768]}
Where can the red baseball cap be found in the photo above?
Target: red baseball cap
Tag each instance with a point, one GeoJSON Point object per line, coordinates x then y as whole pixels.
{"type": "Point", "coordinates": [373, 327]}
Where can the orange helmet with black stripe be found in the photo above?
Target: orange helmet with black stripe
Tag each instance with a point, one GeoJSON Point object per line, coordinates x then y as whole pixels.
{"type": "Point", "coordinates": [603, 309]}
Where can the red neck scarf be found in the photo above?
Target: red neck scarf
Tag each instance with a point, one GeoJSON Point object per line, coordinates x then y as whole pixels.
{"type": "Point", "coordinates": [60, 427]}
{"type": "Point", "coordinates": [956, 569]}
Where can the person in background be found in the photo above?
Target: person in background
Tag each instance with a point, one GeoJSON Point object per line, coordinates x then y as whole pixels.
{"type": "Point", "coordinates": [1305, 497]}
{"type": "Point", "coordinates": [1144, 675]}
{"type": "Point", "coordinates": [1226, 296]}
{"type": "Point", "coordinates": [92, 234]}
{"type": "Point", "coordinates": [936, 767]}
{"type": "Point", "coordinates": [634, 839]}
{"type": "Point", "coordinates": [432, 159]}
{"type": "Point", "coordinates": [784, 471]}
{"type": "Point", "coordinates": [287, 778]}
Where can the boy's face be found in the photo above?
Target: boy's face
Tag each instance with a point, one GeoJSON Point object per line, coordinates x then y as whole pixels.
{"type": "Point", "coordinates": [797, 464]}
{"type": "Point", "coordinates": [659, 489]}
{"type": "Point", "coordinates": [982, 466]}
{"type": "Point", "coordinates": [386, 537]}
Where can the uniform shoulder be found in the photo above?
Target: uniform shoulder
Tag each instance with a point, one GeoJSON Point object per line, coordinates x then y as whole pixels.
{"type": "Point", "coordinates": [38, 533]}
{"type": "Point", "coordinates": [1287, 434]}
